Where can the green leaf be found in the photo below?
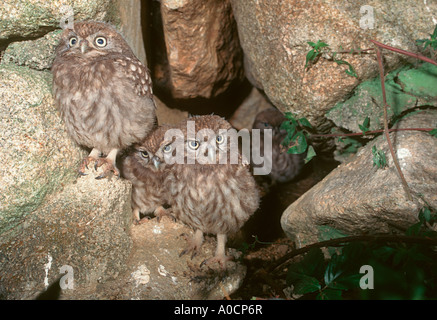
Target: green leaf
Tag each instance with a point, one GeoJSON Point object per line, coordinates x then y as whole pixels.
{"type": "Point", "coordinates": [433, 133]}
{"type": "Point", "coordinates": [365, 126]}
{"type": "Point", "coordinates": [414, 230]}
{"type": "Point", "coordinates": [351, 72]}
{"type": "Point", "coordinates": [301, 144]}
{"type": "Point", "coordinates": [288, 126]}
{"type": "Point", "coordinates": [379, 159]}
{"type": "Point", "coordinates": [312, 44]}
{"type": "Point", "coordinates": [348, 282]}
{"type": "Point", "coordinates": [311, 153]}
{"type": "Point", "coordinates": [329, 294]}
{"type": "Point", "coordinates": [425, 214]}
{"type": "Point", "coordinates": [289, 115]}
{"type": "Point", "coordinates": [312, 264]}
{"type": "Point", "coordinates": [306, 284]}
{"type": "Point", "coordinates": [333, 269]}
{"type": "Point", "coordinates": [304, 122]}
{"type": "Point", "coordinates": [320, 44]}
{"type": "Point", "coordinates": [310, 57]}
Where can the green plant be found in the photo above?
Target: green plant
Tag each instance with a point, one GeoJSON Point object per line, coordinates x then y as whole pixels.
{"type": "Point", "coordinates": [296, 139]}
{"type": "Point", "coordinates": [431, 42]}
{"type": "Point", "coordinates": [315, 52]}
{"type": "Point", "coordinates": [404, 267]}
{"type": "Point", "coordinates": [318, 50]}
{"type": "Point", "coordinates": [365, 126]}
{"type": "Point", "coordinates": [379, 159]}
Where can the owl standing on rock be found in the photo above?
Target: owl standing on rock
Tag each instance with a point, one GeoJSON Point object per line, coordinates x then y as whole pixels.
{"type": "Point", "coordinates": [211, 197]}
{"type": "Point", "coordinates": [146, 167]}
{"type": "Point", "coordinates": [104, 93]}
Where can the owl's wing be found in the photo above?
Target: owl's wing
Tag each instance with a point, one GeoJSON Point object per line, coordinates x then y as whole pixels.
{"type": "Point", "coordinates": [138, 73]}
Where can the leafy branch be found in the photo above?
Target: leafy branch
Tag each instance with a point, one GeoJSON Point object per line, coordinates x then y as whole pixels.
{"type": "Point", "coordinates": [322, 49]}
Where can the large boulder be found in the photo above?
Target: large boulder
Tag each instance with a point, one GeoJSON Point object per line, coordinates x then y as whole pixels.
{"type": "Point", "coordinates": [25, 19]}
{"type": "Point", "coordinates": [80, 234]}
{"type": "Point", "coordinates": [201, 56]}
{"type": "Point", "coordinates": [48, 219]}
{"type": "Point", "coordinates": [154, 270]}
{"type": "Point", "coordinates": [38, 157]}
{"type": "Point", "coordinates": [274, 36]}
{"type": "Point", "coordinates": [357, 198]}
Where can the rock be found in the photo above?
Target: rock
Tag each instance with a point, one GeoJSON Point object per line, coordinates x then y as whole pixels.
{"type": "Point", "coordinates": [131, 26]}
{"type": "Point", "coordinates": [155, 271]}
{"type": "Point", "coordinates": [246, 113]}
{"type": "Point", "coordinates": [357, 198]}
{"type": "Point", "coordinates": [166, 115]}
{"type": "Point", "coordinates": [80, 234]}
{"type": "Point", "coordinates": [274, 36]}
{"type": "Point", "coordinates": [35, 54]}
{"type": "Point", "coordinates": [38, 157]}
{"type": "Point", "coordinates": [406, 88]}
{"type": "Point", "coordinates": [24, 19]}
{"type": "Point", "coordinates": [202, 55]}
{"type": "Point", "coordinates": [47, 218]}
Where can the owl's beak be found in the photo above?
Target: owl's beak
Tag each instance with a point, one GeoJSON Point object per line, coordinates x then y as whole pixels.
{"type": "Point", "coordinates": [84, 46]}
{"type": "Point", "coordinates": [211, 155]}
{"type": "Point", "coordinates": [156, 162]}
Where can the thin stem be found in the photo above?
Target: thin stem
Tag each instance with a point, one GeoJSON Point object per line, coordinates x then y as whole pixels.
{"type": "Point", "coordinates": [334, 135]}
{"type": "Point", "coordinates": [407, 53]}
{"type": "Point", "coordinates": [386, 130]}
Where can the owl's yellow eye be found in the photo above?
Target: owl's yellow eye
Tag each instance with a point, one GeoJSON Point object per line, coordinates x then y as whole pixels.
{"type": "Point", "coordinates": [144, 154]}
{"type": "Point", "coordinates": [220, 139]}
{"type": "Point", "coordinates": [73, 41]}
{"type": "Point", "coordinates": [167, 148]}
{"type": "Point", "coordinates": [193, 144]}
{"type": "Point", "coordinates": [101, 42]}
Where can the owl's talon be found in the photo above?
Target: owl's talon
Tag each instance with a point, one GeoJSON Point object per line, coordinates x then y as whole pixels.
{"type": "Point", "coordinates": [108, 168]}
{"type": "Point", "coordinates": [102, 176]}
{"type": "Point", "coordinates": [84, 165]}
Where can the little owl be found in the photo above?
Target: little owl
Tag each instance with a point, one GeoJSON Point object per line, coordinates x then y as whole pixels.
{"type": "Point", "coordinates": [209, 194]}
{"type": "Point", "coordinates": [146, 167]}
{"type": "Point", "coordinates": [103, 92]}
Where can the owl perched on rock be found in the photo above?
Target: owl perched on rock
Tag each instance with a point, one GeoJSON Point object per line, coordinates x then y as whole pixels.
{"type": "Point", "coordinates": [211, 197]}
{"type": "Point", "coordinates": [146, 167]}
{"type": "Point", "coordinates": [103, 92]}
{"type": "Point", "coordinates": [285, 167]}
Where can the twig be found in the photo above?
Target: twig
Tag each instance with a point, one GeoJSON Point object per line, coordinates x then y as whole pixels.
{"type": "Point", "coordinates": [386, 131]}
{"type": "Point", "coordinates": [407, 53]}
{"type": "Point", "coordinates": [342, 241]}
{"type": "Point", "coordinates": [368, 132]}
